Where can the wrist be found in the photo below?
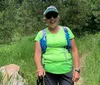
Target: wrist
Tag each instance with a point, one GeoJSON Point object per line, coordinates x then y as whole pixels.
{"type": "Point", "coordinates": [77, 70]}
{"type": "Point", "coordinates": [39, 67]}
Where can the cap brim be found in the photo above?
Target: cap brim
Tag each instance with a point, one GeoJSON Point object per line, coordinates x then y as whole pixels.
{"type": "Point", "coordinates": [51, 12]}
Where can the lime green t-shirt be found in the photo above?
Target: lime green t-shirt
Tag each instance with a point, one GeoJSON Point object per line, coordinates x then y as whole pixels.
{"type": "Point", "coordinates": [56, 59]}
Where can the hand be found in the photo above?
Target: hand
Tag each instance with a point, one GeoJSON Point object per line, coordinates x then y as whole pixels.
{"type": "Point", "coordinates": [76, 76]}
{"type": "Point", "coordinates": [40, 72]}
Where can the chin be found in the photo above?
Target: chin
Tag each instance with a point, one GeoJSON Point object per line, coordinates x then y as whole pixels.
{"type": "Point", "coordinates": [53, 26]}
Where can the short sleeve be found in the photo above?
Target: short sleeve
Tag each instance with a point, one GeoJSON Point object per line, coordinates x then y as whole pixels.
{"type": "Point", "coordinates": [70, 33]}
{"type": "Point", "coordinates": [38, 36]}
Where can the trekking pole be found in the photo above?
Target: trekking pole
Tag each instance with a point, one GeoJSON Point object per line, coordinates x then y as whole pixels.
{"type": "Point", "coordinates": [39, 81]}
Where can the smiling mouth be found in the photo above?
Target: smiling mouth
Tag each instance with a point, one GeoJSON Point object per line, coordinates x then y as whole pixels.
{"type": "Point", "coordinates": [52, 22]}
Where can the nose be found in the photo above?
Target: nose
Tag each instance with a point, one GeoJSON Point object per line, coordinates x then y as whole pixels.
{"type": "Point", "coordinates": [52, 18]}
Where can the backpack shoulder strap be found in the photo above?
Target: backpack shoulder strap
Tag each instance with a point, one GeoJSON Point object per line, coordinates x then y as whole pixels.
{"type": "Point", "coordinates": [44, 34]}
{"type": "Point", "coordinates": [43, 41]}
{"type": "Point", "coordinates": [67, 38]}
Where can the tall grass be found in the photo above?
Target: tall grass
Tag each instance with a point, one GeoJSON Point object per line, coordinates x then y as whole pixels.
{"type": "Point", "coordinates": [90, 46]}
{"type": "Point", "coordinates": [21, 53]}
{"type": "Point", "coordinates": [92, 70]}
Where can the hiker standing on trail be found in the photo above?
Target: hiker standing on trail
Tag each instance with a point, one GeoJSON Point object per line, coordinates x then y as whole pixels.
{"type": "Point", "coordinates": [56, 55]}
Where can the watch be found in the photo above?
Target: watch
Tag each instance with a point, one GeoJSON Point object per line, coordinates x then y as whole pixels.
{"type": "Point", "coordinates": [77, 70]}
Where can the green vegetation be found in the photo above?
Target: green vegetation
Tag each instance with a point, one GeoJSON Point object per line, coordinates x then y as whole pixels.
{"type": "Point", "coordinates": [91, 69]}
{"type": "Point", "coordinates": [21, 53]}
{"type": "Point", "coordinates": [89, 47]}
{"type": "Point", "coordinates": [0, 76]}
{"type": "Point", "coordinates": [20, 18]}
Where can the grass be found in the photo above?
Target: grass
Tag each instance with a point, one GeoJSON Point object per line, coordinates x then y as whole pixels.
{"type": "Point", "coordinates": [21, 53]}
{"type": "Point", "coordinates": [92, 63]}
{"type": "Point", "coordinates": [90, 46]}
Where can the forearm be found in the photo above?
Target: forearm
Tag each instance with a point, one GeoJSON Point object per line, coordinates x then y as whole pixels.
{"type": "Point", "coordinates": [37, 60]}
{"type": "Point", "coordinates": [75, 53]}
{"type": "Point", "coordinates": [76, 58]}
{"type": "Point", "coordinates": [37, 55]}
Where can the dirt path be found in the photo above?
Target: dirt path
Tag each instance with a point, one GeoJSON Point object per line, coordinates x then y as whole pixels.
{"type": "Point", "coordinates": [82, 64]}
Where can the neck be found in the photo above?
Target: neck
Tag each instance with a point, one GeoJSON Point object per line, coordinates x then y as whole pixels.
{"type": "Point", "coordinates": [54, 30]}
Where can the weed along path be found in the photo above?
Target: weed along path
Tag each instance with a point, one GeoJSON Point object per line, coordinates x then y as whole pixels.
{"type": "Point", "coordinates": [82, 65]}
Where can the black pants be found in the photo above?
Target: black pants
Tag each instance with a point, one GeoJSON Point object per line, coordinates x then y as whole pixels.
{"type": "Point", "coordinates": [58, 79]}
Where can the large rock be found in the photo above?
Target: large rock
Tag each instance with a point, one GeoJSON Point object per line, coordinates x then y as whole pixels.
{"type": "Point", "coordinates": [11, 75]}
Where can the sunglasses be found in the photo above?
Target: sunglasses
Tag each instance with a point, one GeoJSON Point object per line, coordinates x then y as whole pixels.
{"type": "Point", "coordinates": [51, 14]}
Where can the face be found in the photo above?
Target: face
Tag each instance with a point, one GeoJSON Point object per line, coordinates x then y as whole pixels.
{"type": "Point", "coordinates": [52, 19]}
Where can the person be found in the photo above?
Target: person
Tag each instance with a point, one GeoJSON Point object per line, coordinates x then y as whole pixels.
{"type": "Point", "coordinates": [57, 65]}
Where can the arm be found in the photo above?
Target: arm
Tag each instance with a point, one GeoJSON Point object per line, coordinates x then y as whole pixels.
{"type": "Point", "coordinates": [37, 59]}
{"type": "Point", "coordinates": [75, 53]}
{"type": "Point", "coordinates": [76, 60]}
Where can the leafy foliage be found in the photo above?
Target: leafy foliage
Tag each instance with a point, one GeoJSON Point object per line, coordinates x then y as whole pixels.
{"type": "Point", "coordinates": [21, 53]}
{"type": "Point", "coordinates": [25, 17]}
